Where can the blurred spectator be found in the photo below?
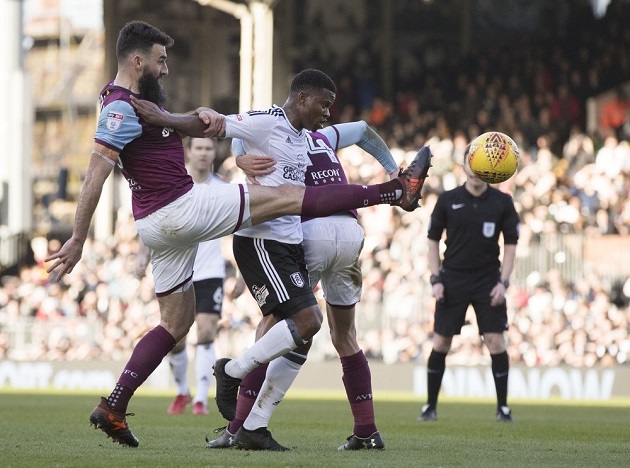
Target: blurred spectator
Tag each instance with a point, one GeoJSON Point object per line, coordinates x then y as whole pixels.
{"type": "Point", "coordinates": [614, 113]}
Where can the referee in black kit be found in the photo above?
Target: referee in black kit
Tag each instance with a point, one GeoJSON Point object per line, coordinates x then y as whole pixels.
{"type": "Point", "coordinates": [471, 273]}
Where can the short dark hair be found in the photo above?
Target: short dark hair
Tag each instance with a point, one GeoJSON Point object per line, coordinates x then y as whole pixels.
{"type": "Point", "coordinates": [138, 35]}
{"type": "Point", "coordinates": [188, 141]}
{"type": "Point", "coordinates": [311, 79]}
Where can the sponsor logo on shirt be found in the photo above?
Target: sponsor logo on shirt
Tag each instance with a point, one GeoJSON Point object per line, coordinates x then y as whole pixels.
{"type": "Point", "coordinates": [296, 173]}
{"type": "Point", "coordinates": [166, 131]}
{"type": "Point", "coordinates": [457, 206]}
{"type": "Point", "coordinates": [288, 140]}
{"type": "Point", "coordinates": [114, 120]}
{"type": "Point", "coordinates": [325, 176]}
{"type": "Point", "coordinates": [260, 293]}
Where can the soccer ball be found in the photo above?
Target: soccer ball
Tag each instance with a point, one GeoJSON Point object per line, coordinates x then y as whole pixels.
{"type": "Point", "coordinates": [493, 157]}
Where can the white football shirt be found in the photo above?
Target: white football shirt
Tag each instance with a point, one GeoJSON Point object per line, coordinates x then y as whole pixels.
{"type": "Point", "coordinates": [269, 133]}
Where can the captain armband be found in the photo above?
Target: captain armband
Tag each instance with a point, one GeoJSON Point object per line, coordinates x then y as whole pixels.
{"type": "Point", "coordinates": [109, 160]}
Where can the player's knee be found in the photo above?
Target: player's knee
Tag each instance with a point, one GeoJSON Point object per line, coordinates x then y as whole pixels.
{"type": "Point", "coordinates": [307, 322]}
{"type": "Point", "coordinates": [442, 344]}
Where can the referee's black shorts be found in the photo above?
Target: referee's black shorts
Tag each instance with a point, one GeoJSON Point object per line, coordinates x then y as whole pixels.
{"type": "Point", "coordinates": [462, 289]}
{"type": "Point", "coordinates": [275, 274]}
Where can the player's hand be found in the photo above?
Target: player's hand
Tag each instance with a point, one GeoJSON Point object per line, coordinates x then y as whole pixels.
{"type": "Point", "coordinates": [149, 111]}
{"type": "Point", "coordinates": [497, 295]}
{"type": "Point", "coordinates": [254, 166]}
{"type": "Point", "coordinates": [66, 258]}
{"type": "Point", "coordinates": [214, 120]}
{"type": "Point", "coordinates": [438, 292]}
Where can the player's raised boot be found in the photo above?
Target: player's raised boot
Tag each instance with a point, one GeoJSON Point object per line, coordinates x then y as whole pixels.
{"type": "Point", "coordinates": [428, 413]}
{"type": "Point", "coordinates": [225, 440]}
{"type": "Point", "coordinates": [178, 405]}
{"type": "Point", "coordinates": [113, 423]}
{"type": "Point", "coordinates": [227, 389]}
{"type": "Point", "coordinates": [258, 439]}
{"type": "Point", "coordinates": [504, 414]}
{"type": "Point", "coordinates": [412, 179]}
{"type": "Point", "coordinates": [375, 441]}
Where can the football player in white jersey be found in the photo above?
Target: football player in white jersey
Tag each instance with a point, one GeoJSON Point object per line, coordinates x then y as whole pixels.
{"type": "Point", "coordinates": [270, 255]}
{"type": "Point", "coordinates": [271, 258]}
{"type": "Point", "coordinates": [332, 247]}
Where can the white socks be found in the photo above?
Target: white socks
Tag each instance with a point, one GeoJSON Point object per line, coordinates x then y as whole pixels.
{"type": "Point", "coordinates": [280, 375]}
{"type": "Point", "coordinates": [179, 367]}
{"type": "Point", "coordinates": [205, 357]}
{"type": "Point", "coordinates": [278, 341]}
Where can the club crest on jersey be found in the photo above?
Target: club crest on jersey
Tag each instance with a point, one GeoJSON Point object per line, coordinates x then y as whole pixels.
{"type": "Point", "coordinates": [296, 278]}
{"type": "Point", "coordinates": [260, 293]}
{"type": "Point", "coordinates": [114, 120]}
{"type": "Point", "coordinates": [166, 131]}
{"type": "Point", "coordinates": [488, 229]}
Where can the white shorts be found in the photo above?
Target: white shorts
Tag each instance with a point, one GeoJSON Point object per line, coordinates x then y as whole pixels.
{"type": "Point", "coordinates": [332, 246]}
{"type": "Point", "coordinates": [173, 232]}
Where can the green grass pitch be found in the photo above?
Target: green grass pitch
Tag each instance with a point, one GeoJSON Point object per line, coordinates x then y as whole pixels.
{"type": "Point", "coordinates": [52, 430]}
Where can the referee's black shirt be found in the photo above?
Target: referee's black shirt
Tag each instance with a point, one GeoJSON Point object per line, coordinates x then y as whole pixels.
{"type": "Point", "coordinates": [472, 227]}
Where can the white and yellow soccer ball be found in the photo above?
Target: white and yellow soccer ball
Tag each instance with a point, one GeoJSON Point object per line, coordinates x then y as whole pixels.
{"type": "Point", "coordinates": [493, 157]}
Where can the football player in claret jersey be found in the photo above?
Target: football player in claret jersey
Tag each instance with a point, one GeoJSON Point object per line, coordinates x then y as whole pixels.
{"type": "Point", "coordinates": [474, 216]}
{"type": "Point", "coordinates": [135, 133]}
{"type": "Point", "coordinates": [208, 279]}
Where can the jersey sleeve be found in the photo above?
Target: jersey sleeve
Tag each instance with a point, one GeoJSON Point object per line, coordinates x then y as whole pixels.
{"type": "Point", "coordinates": [238, 147]}
{"type": "Point", "coordinates": [437, 223]}
{"type": "Point", "coordinates": [117, 125]}
{"type": "Point", "coordinates": [249, 127]}
{"type": "Point", "coordinates": [361, 134]}
{"type": "Point", "coordinates": [511, 222]}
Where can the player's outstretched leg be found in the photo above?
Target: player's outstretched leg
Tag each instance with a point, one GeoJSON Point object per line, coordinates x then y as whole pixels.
{"type": "Point", "coordinates": [412, 179]}
{"type": "Point", "coordinates": [113, 423]}
{"type": "Point", "coordinates": [227, 389]}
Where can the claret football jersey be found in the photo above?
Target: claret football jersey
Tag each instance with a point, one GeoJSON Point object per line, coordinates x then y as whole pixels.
{"type": "Point", "coordinates": [151, 158]}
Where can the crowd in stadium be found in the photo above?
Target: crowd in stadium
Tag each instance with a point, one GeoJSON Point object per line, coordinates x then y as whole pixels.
{"type": "Point", "coordinates": [569, 181]}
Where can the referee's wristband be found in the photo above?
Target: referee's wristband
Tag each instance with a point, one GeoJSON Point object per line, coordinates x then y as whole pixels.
{"type": "Point", "coordinates": [505, 282]}
{"type": "Point", "coordinates": [434, 279]}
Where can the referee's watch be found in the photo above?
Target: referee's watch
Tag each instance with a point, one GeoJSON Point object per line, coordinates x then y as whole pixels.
{"type": "Point", "coordinates": [505, 282]}
{"type": "Point", "coordinates": [435, 279]}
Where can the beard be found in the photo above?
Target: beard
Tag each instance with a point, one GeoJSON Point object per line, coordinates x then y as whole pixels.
{"type": "Point", "coordinates": [151, 89]}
